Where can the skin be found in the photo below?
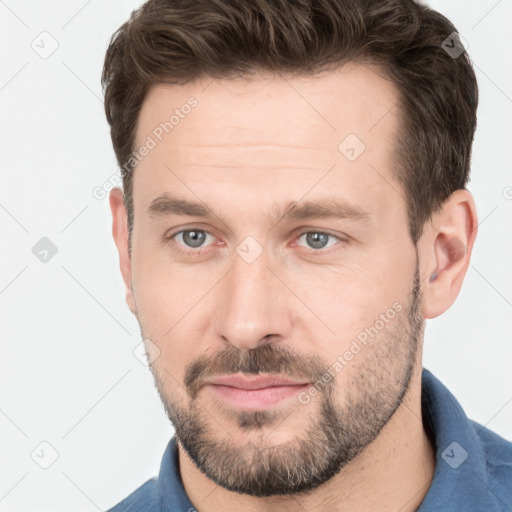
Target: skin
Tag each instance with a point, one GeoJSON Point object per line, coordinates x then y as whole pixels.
{"type": "Point", "coordinates": [247, 147]}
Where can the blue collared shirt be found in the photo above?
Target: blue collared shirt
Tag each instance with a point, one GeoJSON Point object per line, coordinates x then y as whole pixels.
{"type": "Point", "coordinates": [473, 465]}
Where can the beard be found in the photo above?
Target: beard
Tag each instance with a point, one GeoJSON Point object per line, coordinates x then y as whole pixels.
{"type": "Point", "coordinates": [331, 438]}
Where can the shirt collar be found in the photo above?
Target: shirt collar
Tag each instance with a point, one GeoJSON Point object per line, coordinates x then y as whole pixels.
{"type": "Point", "coordinates": [170, 487]}
{"type": "Point", "coordinates": [460, 480]}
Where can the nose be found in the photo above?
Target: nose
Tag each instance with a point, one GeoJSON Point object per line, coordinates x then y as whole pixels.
{"type": "Point", "coordinates": [253, 306]}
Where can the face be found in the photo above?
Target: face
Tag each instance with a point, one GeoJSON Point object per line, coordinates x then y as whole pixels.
{"type": "Point", "coordinates": [273, 274]}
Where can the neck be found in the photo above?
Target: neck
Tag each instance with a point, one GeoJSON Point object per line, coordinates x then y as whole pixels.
{"type": "Point", "coordinates": [394, 472]}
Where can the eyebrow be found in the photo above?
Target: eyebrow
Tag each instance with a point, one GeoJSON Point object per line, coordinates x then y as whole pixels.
{"type": "Point", "coordinates": [166, 205]}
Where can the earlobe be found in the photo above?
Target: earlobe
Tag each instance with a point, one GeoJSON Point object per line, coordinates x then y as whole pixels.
{"type": "Point", "coordinates": [120, 234]}
{"type": "Point", "coordinates": [452, 234]}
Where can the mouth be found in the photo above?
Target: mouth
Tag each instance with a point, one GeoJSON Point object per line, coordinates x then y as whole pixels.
{"type": "Point", "coordinates": [255, 392]}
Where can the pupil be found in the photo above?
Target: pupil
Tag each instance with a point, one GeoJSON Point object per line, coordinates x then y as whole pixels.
{"type": "Point", "coordinates": [194, 238]}
{"type": "Point", "coordinates": [317, 240]}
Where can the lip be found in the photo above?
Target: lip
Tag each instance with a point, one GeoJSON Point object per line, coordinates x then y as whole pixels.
{"type": "Point", "coordinates": [254, 382]}
{"type": "Point", "coordinates": [254, 393]}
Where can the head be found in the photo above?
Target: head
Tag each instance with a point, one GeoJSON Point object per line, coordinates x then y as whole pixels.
{"type": "Point", "coordinates": [293, 176]}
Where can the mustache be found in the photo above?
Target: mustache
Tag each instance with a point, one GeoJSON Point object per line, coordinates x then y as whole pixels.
{"type": "Point", "coordinates": [270, 358]}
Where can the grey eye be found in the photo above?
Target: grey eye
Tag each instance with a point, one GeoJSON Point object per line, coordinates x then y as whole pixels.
{"type": "Point", "coordinates": [193, 238]}
{"type": "Point", "coordinates": [318, 240]}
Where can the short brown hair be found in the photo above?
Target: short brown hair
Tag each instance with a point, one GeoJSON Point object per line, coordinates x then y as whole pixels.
{"type": "Point", "coordinates": [178, 41]}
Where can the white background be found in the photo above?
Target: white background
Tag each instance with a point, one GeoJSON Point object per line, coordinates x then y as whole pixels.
{"type": "Point", "coordinates": [67, 372]}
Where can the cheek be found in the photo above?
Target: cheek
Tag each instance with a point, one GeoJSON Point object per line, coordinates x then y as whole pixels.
{"type": "Point", "coordinates": [361, 305]}
{"type": "Point", "coordinates": [173, 312]}
{"type": "Point", "coordinates": [349, 297]}
{"type": "Point", "coordinates": [163, 291]}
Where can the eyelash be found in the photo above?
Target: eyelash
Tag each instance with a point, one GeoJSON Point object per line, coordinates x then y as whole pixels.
{"type": "Point", "coordinates": [200, 251]}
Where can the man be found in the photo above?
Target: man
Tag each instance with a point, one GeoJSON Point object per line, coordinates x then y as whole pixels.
{"type": "Point", "coordinates": [293, 210]}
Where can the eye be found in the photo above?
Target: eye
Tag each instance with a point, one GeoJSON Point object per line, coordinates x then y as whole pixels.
{"type": "Point", "coordinates": [192, 238]}
{"type": "Point", "coordinates": [194, 241]}
{"type": "Point", "coordinates": [318, 240]}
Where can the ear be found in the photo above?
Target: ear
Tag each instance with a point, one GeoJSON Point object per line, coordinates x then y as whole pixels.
{"type": "Point", "coordinates": [120, 234]}
{"type": "Point", "coordinates": [449, 242]}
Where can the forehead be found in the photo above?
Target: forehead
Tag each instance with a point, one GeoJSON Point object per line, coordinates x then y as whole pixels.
{"type": "Point", "coordinates": [273, 130]}
{"type": "Point", "coordinates": [353, 98]}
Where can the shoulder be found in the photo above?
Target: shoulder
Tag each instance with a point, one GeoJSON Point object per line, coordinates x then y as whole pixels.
{"type": "Point", "coordinates": [143, 499]}
{"type": "Point", "coordinates": [498, 459]}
